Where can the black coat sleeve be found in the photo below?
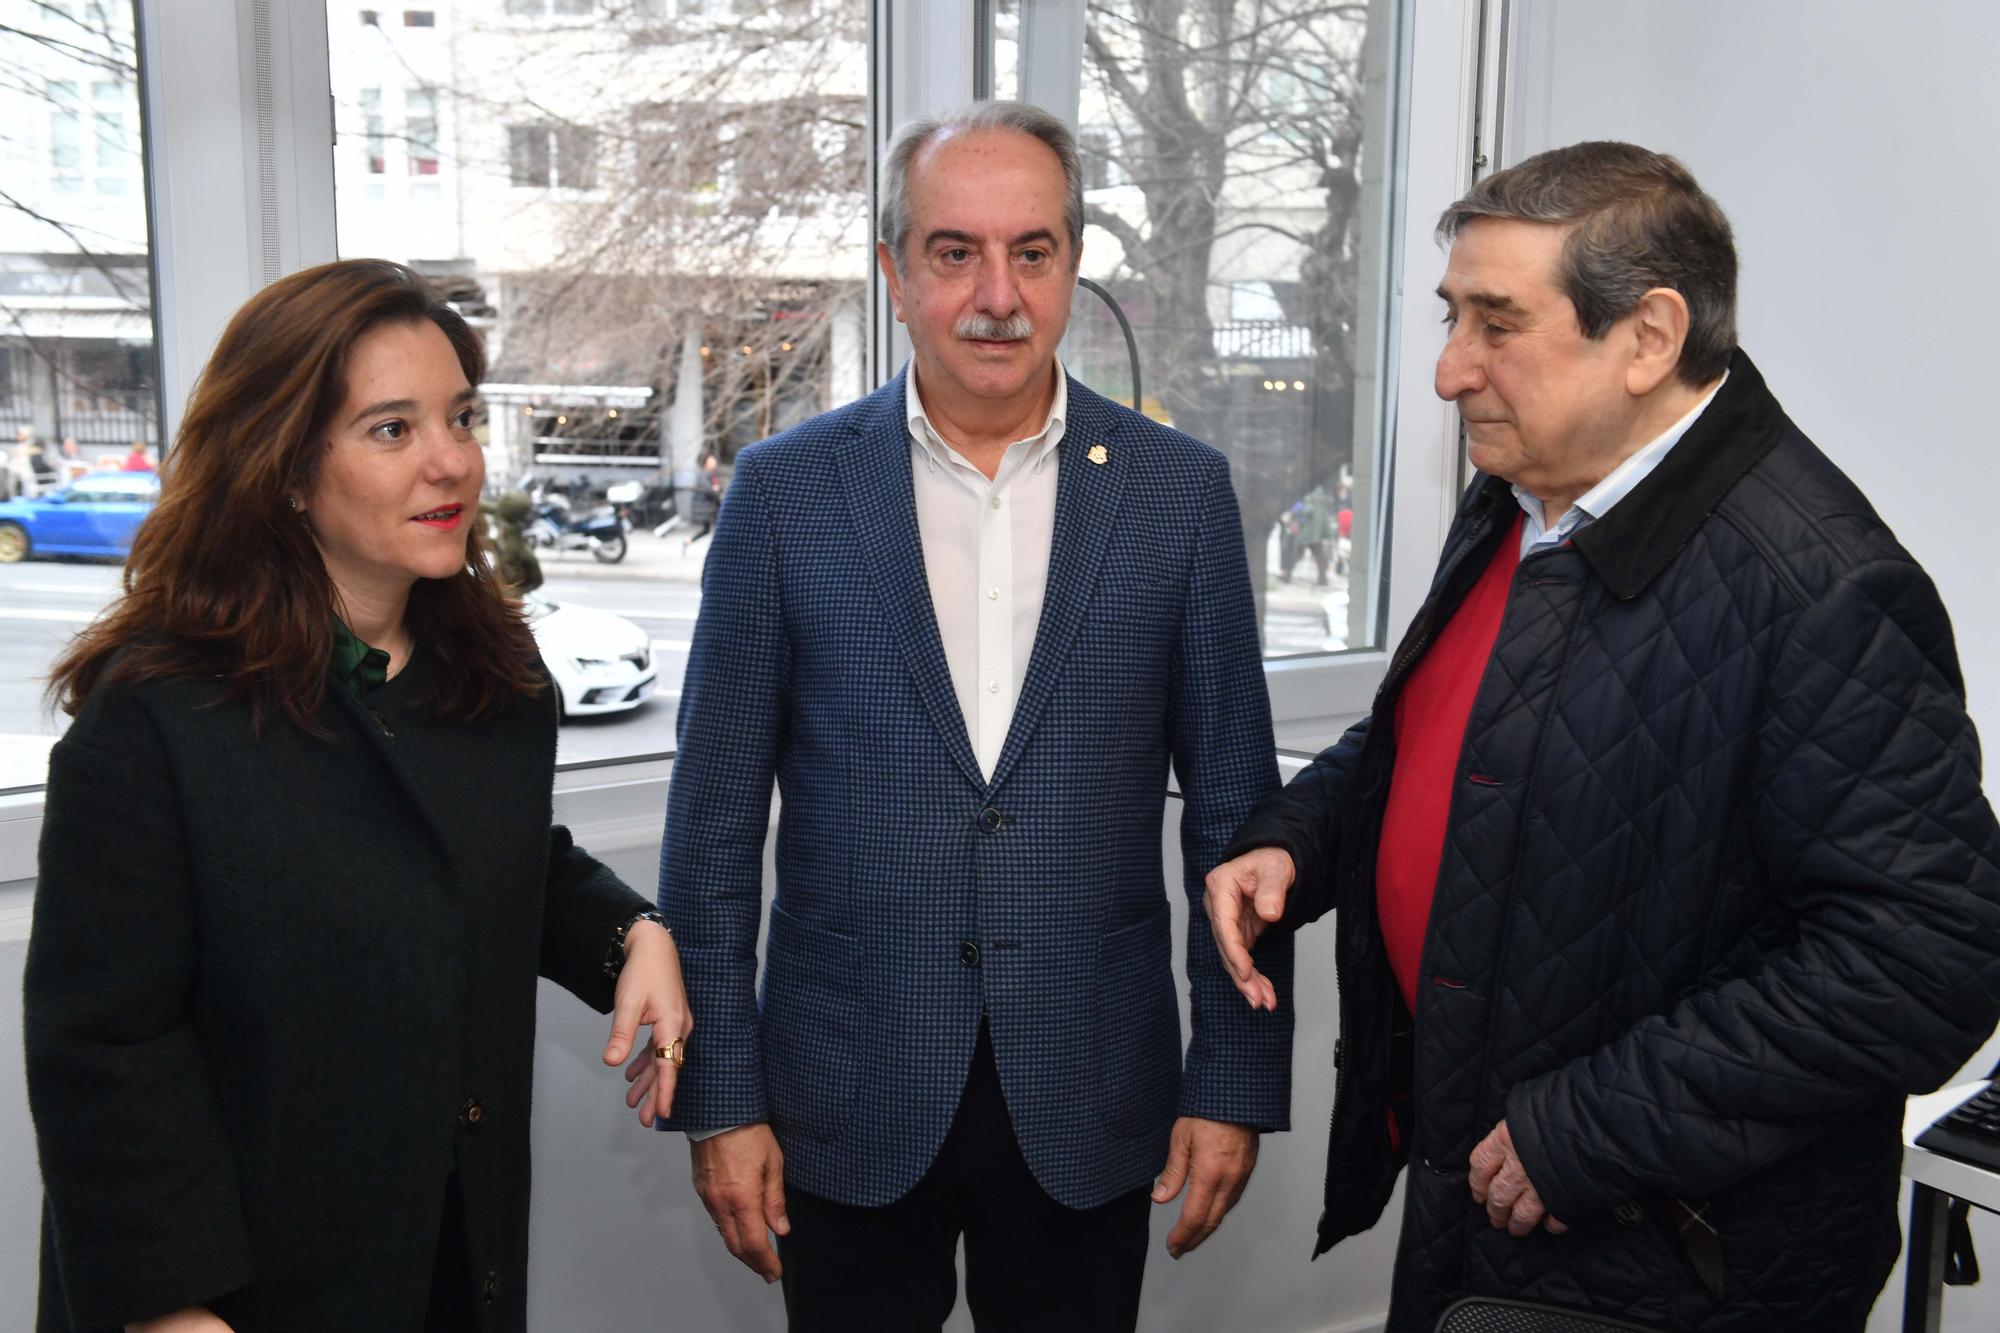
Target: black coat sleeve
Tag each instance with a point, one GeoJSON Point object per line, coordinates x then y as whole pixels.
{"type": "Point", "coordinates": [1869, 821]}
{"type": "Point", "coordinates": [583, 906]}
{"type": "Point", "coordinates": [1303, 819]}
{"type": "Point", "coordinates": [142, 1196]}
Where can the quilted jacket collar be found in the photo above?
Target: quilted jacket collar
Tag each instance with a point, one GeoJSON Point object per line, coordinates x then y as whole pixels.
{"type": "Point", "coordinates": [1640, 537]}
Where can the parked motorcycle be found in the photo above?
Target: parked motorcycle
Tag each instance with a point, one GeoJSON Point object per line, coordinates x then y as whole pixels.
{"type": "Point", "coordinates": [599, 531]}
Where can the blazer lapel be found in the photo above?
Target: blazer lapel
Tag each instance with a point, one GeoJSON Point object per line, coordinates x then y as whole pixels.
{"type": "Point", "coordinates": [1087, 496]}
{"type": "Point", "coordinates": [882, 499]}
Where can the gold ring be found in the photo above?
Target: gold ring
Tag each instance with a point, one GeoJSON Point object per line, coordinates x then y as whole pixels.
{"type": "Point", "coordinates": [675, 1050]}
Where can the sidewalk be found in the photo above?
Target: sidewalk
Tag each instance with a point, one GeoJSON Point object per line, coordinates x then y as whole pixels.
{"type": "Point", "coordinates": [1304, 618]}
{"type": "Point", "coordinates": [1299, 617]}
{"type": "Point", "coordinates": [648, 559]}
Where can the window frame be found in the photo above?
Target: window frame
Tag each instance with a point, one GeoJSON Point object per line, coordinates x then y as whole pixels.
{"type": "Point", "coordinates": [231, 209]}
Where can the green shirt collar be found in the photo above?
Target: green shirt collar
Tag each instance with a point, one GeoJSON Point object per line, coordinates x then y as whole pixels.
{"type": "Point", "coordinates": [356, 667]}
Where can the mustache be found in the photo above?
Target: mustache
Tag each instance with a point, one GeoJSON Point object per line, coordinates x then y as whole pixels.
{"type": "Point", "coordinates": [1015, 328]}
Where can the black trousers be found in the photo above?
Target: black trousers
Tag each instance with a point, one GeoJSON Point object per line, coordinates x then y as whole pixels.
{"type": "Point", "coordinates": [1030, 1263]}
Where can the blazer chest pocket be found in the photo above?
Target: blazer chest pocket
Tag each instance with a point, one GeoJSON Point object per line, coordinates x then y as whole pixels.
{"type": "Point", "coordinates": [811, 1028]}
{"type": "Point", "coordinates": [1138, 1028]}
{"type": "Point", "coordinates": [1137, 596]}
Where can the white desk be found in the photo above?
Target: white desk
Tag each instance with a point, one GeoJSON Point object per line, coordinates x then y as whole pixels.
{"type": "Point", "coordinates": [1935, 1180]}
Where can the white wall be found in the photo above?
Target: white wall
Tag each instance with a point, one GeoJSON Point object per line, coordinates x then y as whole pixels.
{"type": "Point", "coordinates": [20, 1181]}
{"type": "Point", "coordinates": [1851, 145]}
{"type": "Point", "coordinates": [1850, 142]}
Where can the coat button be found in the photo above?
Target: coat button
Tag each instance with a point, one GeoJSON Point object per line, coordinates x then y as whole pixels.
{"type": "Point", "coordinates": [472, 1113]}
{"type": "Point", "coordinates": [1629, 1214]}
{"type": "Point", "coordinates": [489, 1290]}
{"type": "Point", "coordinates": [989, 820]}
{"type": "Point", "coordinates": [968, 953]}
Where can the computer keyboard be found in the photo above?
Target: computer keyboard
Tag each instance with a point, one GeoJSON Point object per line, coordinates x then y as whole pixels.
{"type": "Point", "coordinates": [1970, 1132]}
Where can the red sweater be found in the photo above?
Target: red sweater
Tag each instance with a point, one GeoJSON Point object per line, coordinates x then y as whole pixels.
{"type": "Point", "coordinates": [1431, 714]}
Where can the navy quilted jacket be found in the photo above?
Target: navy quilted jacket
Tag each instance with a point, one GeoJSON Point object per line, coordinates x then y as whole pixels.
{"type": "Point", "coordinates": [1719, 888]}
{"type": "Point", "coordinates": [914, 892]}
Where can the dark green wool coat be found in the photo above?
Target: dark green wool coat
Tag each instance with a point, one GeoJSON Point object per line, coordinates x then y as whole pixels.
{"type": "Point", "coordinates": [280, 988]}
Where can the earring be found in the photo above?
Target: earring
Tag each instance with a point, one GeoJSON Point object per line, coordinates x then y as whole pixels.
{"type": "Point", "coordinates": [293, 501]}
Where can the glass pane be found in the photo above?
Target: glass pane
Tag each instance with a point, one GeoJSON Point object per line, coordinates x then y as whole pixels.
{"type": "Point", "coordinates": [1235, 173]}
{"type": "Point", "coordinates": [78, 396]}
{"type": "Point", "coordinates": [420, 130]}
{"type": "Point", "coordinates": [658, 220]}
{"type": "Point", "coordinates": [1003, 46]}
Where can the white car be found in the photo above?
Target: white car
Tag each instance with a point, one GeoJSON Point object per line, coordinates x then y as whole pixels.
{"type": "Point", "coordinates": [601, 663]}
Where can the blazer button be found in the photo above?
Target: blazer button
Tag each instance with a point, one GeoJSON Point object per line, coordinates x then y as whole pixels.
{"type": "Point", "coordinates": [989, 820]}
{"type": "Point", "coordinates": [968, 953]}
{"type": "Point", "coordinates": [489, 1290]}
{"type": "Point", "coordinates": [472, 1113]}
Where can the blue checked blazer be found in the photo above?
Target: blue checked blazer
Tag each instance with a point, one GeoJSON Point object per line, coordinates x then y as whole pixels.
{"type": "Point", "coordinates": [914, 893]}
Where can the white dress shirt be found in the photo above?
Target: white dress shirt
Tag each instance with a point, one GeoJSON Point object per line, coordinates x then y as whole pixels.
{"type": "Point", "coordinates": [1596, 502]}
{"type": "Point", "coordinates": [986, 555]}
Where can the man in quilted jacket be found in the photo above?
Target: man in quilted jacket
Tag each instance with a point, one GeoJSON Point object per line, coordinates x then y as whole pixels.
{"type": "Point", "coordinates": [1662, 868]}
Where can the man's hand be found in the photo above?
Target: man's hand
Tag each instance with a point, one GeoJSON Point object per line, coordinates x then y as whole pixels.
{"type": "Point", "coordinates": [1244, 896]}
{"type": "Point", "coordinates": [1214, 1161]}
{"type": "Point", "coordinates": [740, 1176]}
{"type": "Point", "coordinates": [650, 992]}
{"type": "Point", "coordinates": [194, 1319]}
{"type": "Point", "coordinates": [1501, 1183]}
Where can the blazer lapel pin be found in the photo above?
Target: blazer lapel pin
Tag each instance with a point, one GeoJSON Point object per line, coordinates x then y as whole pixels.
{"type": "Point", "coordinates": [1098, 454]}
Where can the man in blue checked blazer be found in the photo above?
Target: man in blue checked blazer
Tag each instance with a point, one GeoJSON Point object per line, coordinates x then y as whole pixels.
{"type": "Point", "coordinates": [969, 624]}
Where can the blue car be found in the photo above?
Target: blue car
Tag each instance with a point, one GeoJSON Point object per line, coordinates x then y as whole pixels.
{"type": "Point", "coordinates": [94, 515]}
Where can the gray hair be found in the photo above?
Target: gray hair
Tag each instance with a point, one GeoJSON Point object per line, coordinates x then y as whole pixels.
{"type": "Point", "coordinates": [1637, 220]}
{"type": "Point", "coordinates": [893, 223]}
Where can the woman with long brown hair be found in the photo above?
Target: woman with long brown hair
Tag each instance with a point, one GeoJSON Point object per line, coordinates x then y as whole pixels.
{"type": "Point", "coordinates": [280, 1015]}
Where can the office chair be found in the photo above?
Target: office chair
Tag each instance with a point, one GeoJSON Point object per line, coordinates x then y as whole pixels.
{"type": "Point", "coordinates": [1481, 1314]}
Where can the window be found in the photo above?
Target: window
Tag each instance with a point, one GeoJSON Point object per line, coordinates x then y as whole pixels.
{"type": "Point", "coordinates": [575, 157]}
{"type": "Point", "coordinates": [114, 158]}
{"type": "Point", "coordinates": [678, 150]}
{"type": "Point", "coordinates": [78, 375]}
{"type": "Point", "coordinates": [65, 136]}
{"type": "Point", "coordinates": [375, 143]}
{"type": "Point", "coordinates": [371, 18]}
{"type": "Point", "coordinates": [564, 156]}
{"type": "Point", "coordinates": [661, 229]}
{"type": "Point", "coordinates": [420, 18]}
{"type": "Point", "coordinates": [420, 130]}
{"type": "Point", "coordinates": [777, 158]}
{"type": "Point", "coordinates": [1240, 266]}
{"type": "Point", "coordinates": [557, 8]}
{"type": "Point", "coordinates": [528, 154]}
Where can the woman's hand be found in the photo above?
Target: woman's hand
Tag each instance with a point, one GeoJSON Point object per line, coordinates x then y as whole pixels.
{"type": "Point", "coordinates": [649, 992]}
{"type": "Point", "coordinates": [194, 1319]}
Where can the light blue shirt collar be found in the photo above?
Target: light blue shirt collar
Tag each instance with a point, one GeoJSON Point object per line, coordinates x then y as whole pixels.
{"type": "Point", "coordinates": [1596, 502]}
